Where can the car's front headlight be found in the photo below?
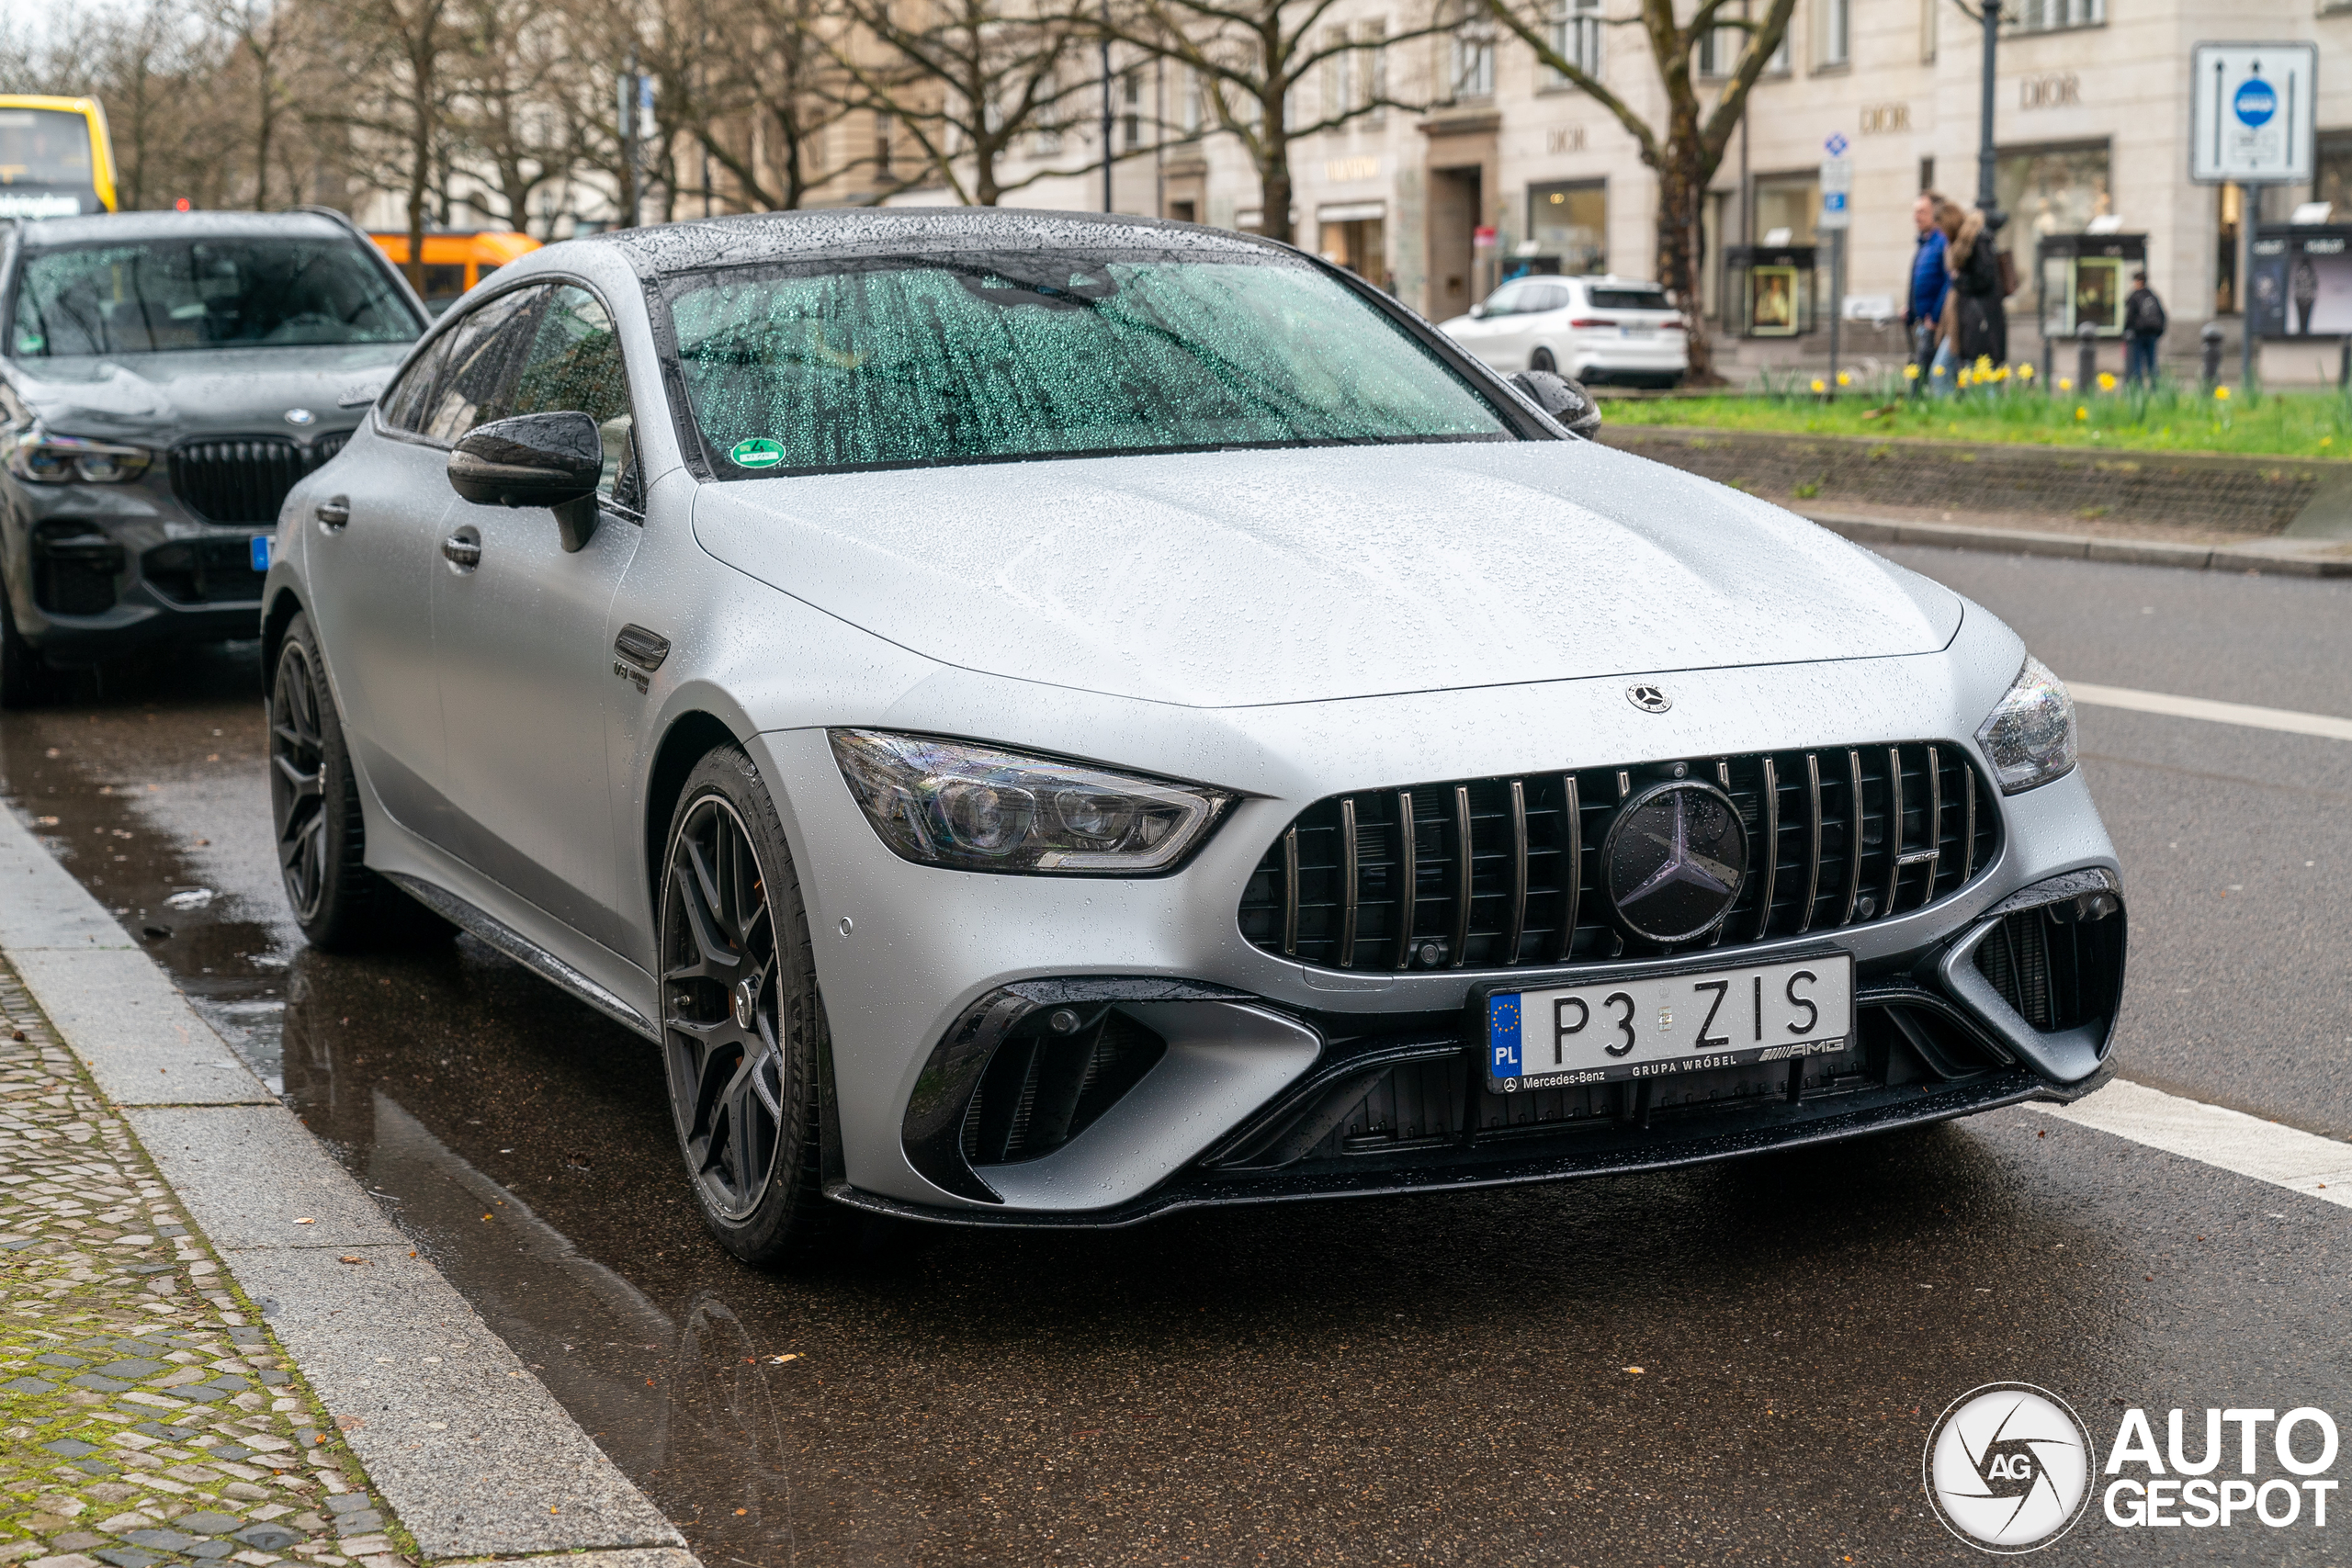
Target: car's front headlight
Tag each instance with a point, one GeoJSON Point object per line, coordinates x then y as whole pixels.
{"type": "Point", "coordinates": [34, 453]}
{"type": "Point", "coordinates": [2030, 735]}
{"type": "Point", "coordinates": [974, 807]}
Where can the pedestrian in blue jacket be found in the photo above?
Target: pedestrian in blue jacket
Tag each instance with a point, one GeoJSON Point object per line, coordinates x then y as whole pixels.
{"type": "Point", "coordinates": [1923, 310]}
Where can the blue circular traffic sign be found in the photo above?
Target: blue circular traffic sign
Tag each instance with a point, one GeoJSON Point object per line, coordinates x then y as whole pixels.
{"type": "Point", "coordinates": [2254, 102]}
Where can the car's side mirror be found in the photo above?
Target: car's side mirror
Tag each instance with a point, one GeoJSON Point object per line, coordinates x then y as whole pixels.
{"type": "Point", "coordinates": [1568, 404]}
{"type": "Point", "coordinates": [535, 459]}
{"type": "Point", "coordinates": [1477, 311]}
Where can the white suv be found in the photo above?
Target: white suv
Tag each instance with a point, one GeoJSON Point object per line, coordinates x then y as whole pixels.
{"type": "Point", "coordinates": [1617, 329]}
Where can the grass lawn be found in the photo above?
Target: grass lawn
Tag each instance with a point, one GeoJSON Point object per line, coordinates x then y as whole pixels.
{"type": "Point", "coordinates": [2299, 424]}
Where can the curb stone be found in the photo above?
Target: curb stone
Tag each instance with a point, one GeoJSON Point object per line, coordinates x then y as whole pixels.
{"type": "Point", "coordinates": [468, 1448]}
{"type": "Point", "coordinates": [2279, 557]}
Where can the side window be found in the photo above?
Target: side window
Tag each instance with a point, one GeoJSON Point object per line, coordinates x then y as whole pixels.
{"type": "Point", "coordinates": [478, 373]}
{"type": "Point", "coordinates": [574, 365]}
{"type": "Point", "coordinates": [403, 404]}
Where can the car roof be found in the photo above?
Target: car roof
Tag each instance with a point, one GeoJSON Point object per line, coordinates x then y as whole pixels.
{"type": "Point", "coordinates": [104, 227]}
{"type": "Point", "coordinates": [853, 231]}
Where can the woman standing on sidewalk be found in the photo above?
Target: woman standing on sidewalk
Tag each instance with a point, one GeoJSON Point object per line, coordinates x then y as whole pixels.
{"type": "Point", "coordinates": [1979, 326]}
{"type": "Point", "coordinates": [1943, 370]}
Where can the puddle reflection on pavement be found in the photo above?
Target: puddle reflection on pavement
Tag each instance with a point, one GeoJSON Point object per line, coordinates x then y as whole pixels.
{"type": "Point", "coordinates": [1445, 1378]}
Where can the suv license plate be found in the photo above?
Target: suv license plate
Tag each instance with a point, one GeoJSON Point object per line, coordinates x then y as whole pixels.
{"type": "Point", "coordinates": [1653, 1026]}
{"type": "Point", "coordinates": [260, 548]}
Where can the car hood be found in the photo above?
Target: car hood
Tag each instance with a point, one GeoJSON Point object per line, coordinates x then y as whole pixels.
{"type": "Point", "coordinates": [1229, 578]}
{"type": "Point", "coordinates": [156, 399]}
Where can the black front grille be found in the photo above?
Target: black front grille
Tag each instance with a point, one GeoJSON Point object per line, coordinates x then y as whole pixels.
{"type": "Point", "coordinates": [243, 479]}
{"type": "Point", "coordinates": [1506, 871]}
{"type": "Point", "coordinates": [1042, 1089]}
{"type": "Point", "coordinates": [203, 572]}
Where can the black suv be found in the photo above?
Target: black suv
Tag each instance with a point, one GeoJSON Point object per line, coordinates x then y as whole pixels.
{"type": "Point", "coordinates": [167, 377]}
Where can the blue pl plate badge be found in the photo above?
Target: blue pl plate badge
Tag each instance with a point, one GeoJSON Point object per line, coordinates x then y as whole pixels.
{"type": "Point", "coordinates": [1502, 1036]}
{"type": "Point", "coordinates": [261, 552]}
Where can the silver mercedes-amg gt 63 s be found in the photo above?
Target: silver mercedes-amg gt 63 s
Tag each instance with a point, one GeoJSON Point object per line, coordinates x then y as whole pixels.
{"type": "Point", "coordinates": [1047, 720]}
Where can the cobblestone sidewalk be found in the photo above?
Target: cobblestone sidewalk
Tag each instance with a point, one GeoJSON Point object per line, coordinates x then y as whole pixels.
{"type": "Point", "coordinates": [148, 1416]}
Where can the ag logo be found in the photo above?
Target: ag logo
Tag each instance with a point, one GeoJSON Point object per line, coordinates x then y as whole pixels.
{"type": "Point", "coordinates": [2008, 1467]}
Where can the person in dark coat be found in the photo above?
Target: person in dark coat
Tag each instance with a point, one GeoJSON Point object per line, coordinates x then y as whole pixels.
{"type": "Point", "coordinates": [1979, 323]}
{"type": "Point", "coordinates": [2143, 323]}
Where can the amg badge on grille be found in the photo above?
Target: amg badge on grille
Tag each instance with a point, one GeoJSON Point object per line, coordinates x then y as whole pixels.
{"type": "Point", "coordinates": [1674, 860]}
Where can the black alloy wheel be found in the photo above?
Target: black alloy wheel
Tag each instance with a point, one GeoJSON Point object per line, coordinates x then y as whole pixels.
{"type": "Point", "coordinates": [742, 1024]}
{"type": "Point", "coordinates": [314, 810]}
{"type": "Point", "coordinates": [297, 783]}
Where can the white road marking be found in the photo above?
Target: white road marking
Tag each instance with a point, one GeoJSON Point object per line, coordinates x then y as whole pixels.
{"type": "Point", "coordinates": [2247, 1145]}
{"type": "Point", "coordinates": [2243, 714]}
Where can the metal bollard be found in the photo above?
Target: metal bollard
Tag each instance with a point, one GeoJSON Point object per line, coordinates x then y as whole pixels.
{"type": "Point", "coordinates": [2086, 357]}
{"type": "Point", "coordinates": [2208, 369]}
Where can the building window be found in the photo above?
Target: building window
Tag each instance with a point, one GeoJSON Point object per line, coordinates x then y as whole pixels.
{"type": "Point", "coordinates": [1575, 35]}
{"type": "Point", "coordinates": [1719, 51]}
{"type": "Point", "coordinates": [1372, 66]}
{"type": "Point", "coordinates": [2334, 181]}
{"type": "Point", "coordinates": [1928, 11]}
{"type": "Point", "coordinates": [881, 145]}
{"type": "Point", "coordinates": [1569, 224]}
{"type": "Point", "coordinates": [1833, 17]}
{"type": "Point", "coordinates": [1131, 118]}
{"type": "Point", "coordinates": [1194, 98]}
{"type": "Point", "coordinates": [1470, 50]}
{"type": "Point", "coordinates": [2052, 15]}
{"type": "Point", "coordinates": [2047, 190]}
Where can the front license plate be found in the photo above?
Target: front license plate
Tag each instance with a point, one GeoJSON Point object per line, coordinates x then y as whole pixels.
{"type": "Point", "coordinates": [1659, 1024]}
{"type": "Point", "coordinates": [261, 552]}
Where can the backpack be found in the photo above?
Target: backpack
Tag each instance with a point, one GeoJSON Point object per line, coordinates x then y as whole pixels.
{"type": "Point", "coordinates": [2145, 315]}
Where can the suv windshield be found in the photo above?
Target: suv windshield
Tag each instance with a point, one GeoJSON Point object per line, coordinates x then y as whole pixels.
{"type": "Point", "coordinates": [158, 295]}
{"type": "Point", "coordinates": [966, 357]}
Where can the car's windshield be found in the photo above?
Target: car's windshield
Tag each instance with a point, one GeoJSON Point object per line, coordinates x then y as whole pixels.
{"type": "Point", "coordinates": [967, 357]}
{"type": "Point", "coordinates": [156, 296]}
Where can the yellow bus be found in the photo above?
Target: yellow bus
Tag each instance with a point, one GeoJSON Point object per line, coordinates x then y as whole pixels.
{"type": "Point", "coordinates": [56, 160]}
{"type": "Point", "coordinates": [455, 263]}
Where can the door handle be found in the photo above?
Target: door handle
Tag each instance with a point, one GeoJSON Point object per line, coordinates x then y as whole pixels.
{"type": "Point", "coordinates": [332, 513]}
{"type": "Point", "coordinates": [461, 552]}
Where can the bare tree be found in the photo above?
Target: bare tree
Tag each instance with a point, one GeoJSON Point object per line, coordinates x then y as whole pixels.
{"type": "Point", "coordinates": [400, 48]}
{"type": "Point", "coordinates": [764, 105]}
{"type": "Point", "coordinates": [267, 35]}
{"type": "Point", "coordinates": [513, 61]}
{"type": "Point", "coordinates": [1250, 58]}
{"type": "Point", "coordinates": [1689, 148]}
{"type": "Point", "coordinates": [966, 81]}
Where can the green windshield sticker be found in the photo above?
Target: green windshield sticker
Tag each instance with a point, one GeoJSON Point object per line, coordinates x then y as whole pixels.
{"type": "Point", "coordinates": [756, 452]}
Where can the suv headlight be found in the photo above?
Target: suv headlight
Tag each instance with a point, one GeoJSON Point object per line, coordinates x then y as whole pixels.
{"type": "Point", "coordinates": [973, 808]}
{"type": "Point", "coordinates": [2030, 737]}
{"type": "Point", "coordinates": [34, 454]}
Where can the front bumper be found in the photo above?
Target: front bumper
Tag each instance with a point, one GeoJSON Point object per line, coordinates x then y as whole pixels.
{"type": "Point", "coordinates": [1254, 1051]}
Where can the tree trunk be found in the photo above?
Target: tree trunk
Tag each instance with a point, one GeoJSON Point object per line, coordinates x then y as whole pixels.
{"type": "Point", "coordinates": [420, 172]}
{"type": "Point", "coordinates": [1681, 260]}
{"type": "Point", "coordinates": [1274, 174]}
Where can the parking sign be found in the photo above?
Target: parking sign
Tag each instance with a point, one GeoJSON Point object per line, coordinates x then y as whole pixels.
{"type": "Point", "coordinates": [2250, 112]}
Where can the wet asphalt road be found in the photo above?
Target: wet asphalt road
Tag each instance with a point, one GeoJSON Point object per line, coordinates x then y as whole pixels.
{"type": "Point", "coordinates": [1442, 1380]}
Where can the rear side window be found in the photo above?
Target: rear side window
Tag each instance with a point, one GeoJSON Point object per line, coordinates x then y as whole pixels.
{"type": "Point", "coordinates": [405, 405]}
{"type": "Point", "coordinates": [1630, 300]}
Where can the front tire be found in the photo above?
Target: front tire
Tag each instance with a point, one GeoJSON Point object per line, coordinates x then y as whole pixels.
{"type": "Point", "coordinates": [322, 836]}
{"type": "Point", "coordinates": [21, 671]}
{"type": "Point", "coordinates": [742, 1025]}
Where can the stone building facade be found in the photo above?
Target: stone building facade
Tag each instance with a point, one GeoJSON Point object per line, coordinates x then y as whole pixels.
{"type": "Point", "coordinates": [2091, 116]}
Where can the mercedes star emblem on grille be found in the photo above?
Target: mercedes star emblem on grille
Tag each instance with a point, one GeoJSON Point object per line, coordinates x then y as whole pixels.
{"type": "Point", "coordinates": [300, 416]}
{"type": "Point", "coordinates": [1648, 698]}
{"type": "Point", "coordinates": [1674, 860]}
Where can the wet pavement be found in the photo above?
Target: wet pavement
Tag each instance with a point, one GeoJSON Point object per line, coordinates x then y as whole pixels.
{"type": "Point", "coordinates": [1736, 1363]}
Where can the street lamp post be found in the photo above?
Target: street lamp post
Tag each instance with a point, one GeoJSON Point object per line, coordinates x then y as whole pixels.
{"type": "Point", "coordinates": [1988, 195]}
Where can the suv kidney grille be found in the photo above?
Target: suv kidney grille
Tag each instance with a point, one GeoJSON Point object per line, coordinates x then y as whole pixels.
{"type": "Point", "coordinates": [1346, 888]}
{"type": "Point", "coordinates": [244, 480]}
